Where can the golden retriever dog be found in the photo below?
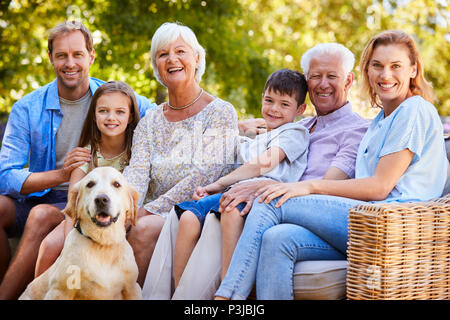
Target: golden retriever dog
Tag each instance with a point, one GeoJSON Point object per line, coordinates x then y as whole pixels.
{"type": "Point", "coordinates": [97, 261]}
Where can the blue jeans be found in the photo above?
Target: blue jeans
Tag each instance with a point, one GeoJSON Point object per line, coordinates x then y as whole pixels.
{"type": "Point", "coordinates": [325, 217]}
{"type": "Point", "coordinates": [282, 246]}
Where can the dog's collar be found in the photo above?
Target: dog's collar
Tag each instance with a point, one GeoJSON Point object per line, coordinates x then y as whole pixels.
{"type": "Point", "coordinates": [78, 228]}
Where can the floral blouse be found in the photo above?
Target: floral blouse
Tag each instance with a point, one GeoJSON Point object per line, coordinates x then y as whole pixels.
{"type": "Point", "coordinates": [170, 159]}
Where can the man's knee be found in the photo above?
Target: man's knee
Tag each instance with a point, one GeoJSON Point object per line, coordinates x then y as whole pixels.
{"type": "Point", "coordinates": [44, 217]}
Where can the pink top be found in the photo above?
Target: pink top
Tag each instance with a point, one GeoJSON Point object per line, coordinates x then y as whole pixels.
{"type": "Point", "coordinates": [334, 142]}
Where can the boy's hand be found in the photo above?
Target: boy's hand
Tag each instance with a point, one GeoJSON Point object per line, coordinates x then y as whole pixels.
{"type": "Point", "coordinates": [199, 193]}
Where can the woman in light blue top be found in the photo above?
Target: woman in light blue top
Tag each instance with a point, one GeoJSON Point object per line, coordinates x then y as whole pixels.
{"type": "Point", "coordinates": [401, 158]}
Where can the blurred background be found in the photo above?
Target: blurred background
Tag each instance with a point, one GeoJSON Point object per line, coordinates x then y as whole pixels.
{"type": "Point", "coordinates": [245, 41]}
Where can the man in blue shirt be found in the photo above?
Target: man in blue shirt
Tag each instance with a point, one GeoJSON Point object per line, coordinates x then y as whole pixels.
{"type": "Point", "coordinates": [39, 135]}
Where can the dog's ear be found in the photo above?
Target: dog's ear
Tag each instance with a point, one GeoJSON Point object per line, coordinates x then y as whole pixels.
{"type": "Point", "coordinates": [133, 212]}
{"type": "Point", "coordinates": [72, 199]}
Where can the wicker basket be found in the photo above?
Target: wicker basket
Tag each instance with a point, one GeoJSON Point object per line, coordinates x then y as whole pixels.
{"type": "Point", "coordinates": [399, 251]}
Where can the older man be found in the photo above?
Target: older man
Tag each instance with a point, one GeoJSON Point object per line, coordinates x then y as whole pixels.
{"type": "Point", "coordinates": [282, 244]}
{"type": "Point", "coordinates": [335, 131]}
{"type": "Point", "coordinates": [335, 136]}
{"type": "Point", "coordinates": [43, 130]}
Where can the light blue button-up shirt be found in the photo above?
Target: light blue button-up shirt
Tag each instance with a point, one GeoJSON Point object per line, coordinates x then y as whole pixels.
{"type": "Point", "coordinates": [30, 136]}
{"type": "Point", "coordinates": [414, 125]}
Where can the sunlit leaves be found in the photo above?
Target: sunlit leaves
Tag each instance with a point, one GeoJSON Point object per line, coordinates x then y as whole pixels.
{"type": "Point", "coordinates": [245, 40]}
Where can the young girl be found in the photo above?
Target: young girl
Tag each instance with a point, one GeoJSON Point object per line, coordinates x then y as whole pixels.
{"type": "Point", "coordinates": [107, 132]}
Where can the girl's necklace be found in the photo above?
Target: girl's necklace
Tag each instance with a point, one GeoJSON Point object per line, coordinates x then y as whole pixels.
{"type": "Point", "coordinates": [188, 105]}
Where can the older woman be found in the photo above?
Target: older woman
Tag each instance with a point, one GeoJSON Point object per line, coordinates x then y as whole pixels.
{"type": "Point", "coordinates": [176, 145]}
{"type": "Point", "coordinates": [401, 158]}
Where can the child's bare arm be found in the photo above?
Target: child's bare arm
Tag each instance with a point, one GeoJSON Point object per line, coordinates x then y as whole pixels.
{"type": "Point", "coordinates": [76, 175]}
{"type": "Point", "coordinates": [257, 166]}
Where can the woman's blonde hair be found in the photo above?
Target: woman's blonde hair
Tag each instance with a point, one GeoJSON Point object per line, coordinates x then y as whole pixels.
{"type": "Point", "coordinates": [418, 85]}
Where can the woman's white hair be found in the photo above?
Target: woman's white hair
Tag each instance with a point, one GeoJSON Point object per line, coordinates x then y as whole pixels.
{"type": "Point", "coordinates": [348, 58]}
{"type": "Point", "coordinates": [169, 32]}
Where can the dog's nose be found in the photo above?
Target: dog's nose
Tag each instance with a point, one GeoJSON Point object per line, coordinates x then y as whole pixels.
{"type": "Point", "coordinates": [101, 200]}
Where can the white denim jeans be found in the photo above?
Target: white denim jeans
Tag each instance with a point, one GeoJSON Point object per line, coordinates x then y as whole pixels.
{"type": "Point", "coordinates": [201, 277]}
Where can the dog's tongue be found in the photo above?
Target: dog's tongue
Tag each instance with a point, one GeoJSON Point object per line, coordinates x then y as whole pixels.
{"type": "Point", "coordinates": [103, 218]}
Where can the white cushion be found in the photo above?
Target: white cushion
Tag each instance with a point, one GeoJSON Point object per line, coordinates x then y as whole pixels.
{"type": "Point", "coordinates": [320, 280]}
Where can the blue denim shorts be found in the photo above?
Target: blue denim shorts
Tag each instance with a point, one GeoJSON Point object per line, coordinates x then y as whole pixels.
{"type": "Point", "coordinates": [203, 206]}
{"type": "Point", "coordinates": [58, 198]}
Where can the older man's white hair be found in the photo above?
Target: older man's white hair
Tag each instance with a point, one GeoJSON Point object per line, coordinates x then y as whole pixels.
{"type": "Point", "coordinates": [347, 57]}
{"type": "Point", "coordinates": [169, 32]}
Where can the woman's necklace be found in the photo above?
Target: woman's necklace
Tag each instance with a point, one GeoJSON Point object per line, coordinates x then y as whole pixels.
{"type": "Point", "coordinates": [188, 105]}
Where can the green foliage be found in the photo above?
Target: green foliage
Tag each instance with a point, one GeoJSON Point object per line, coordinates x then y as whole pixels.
{"type": "Point", "coordinates": [231, 58]}
{"type": "Point", "coordinates": [245, 40]}
{"type": "Point", "coordinates": [285, 29]}
{"type": "Point", "coordinates": [24, 64]}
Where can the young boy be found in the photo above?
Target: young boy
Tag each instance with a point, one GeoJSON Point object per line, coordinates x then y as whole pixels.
{"type": "Point", "coordinates": [279, 154]}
